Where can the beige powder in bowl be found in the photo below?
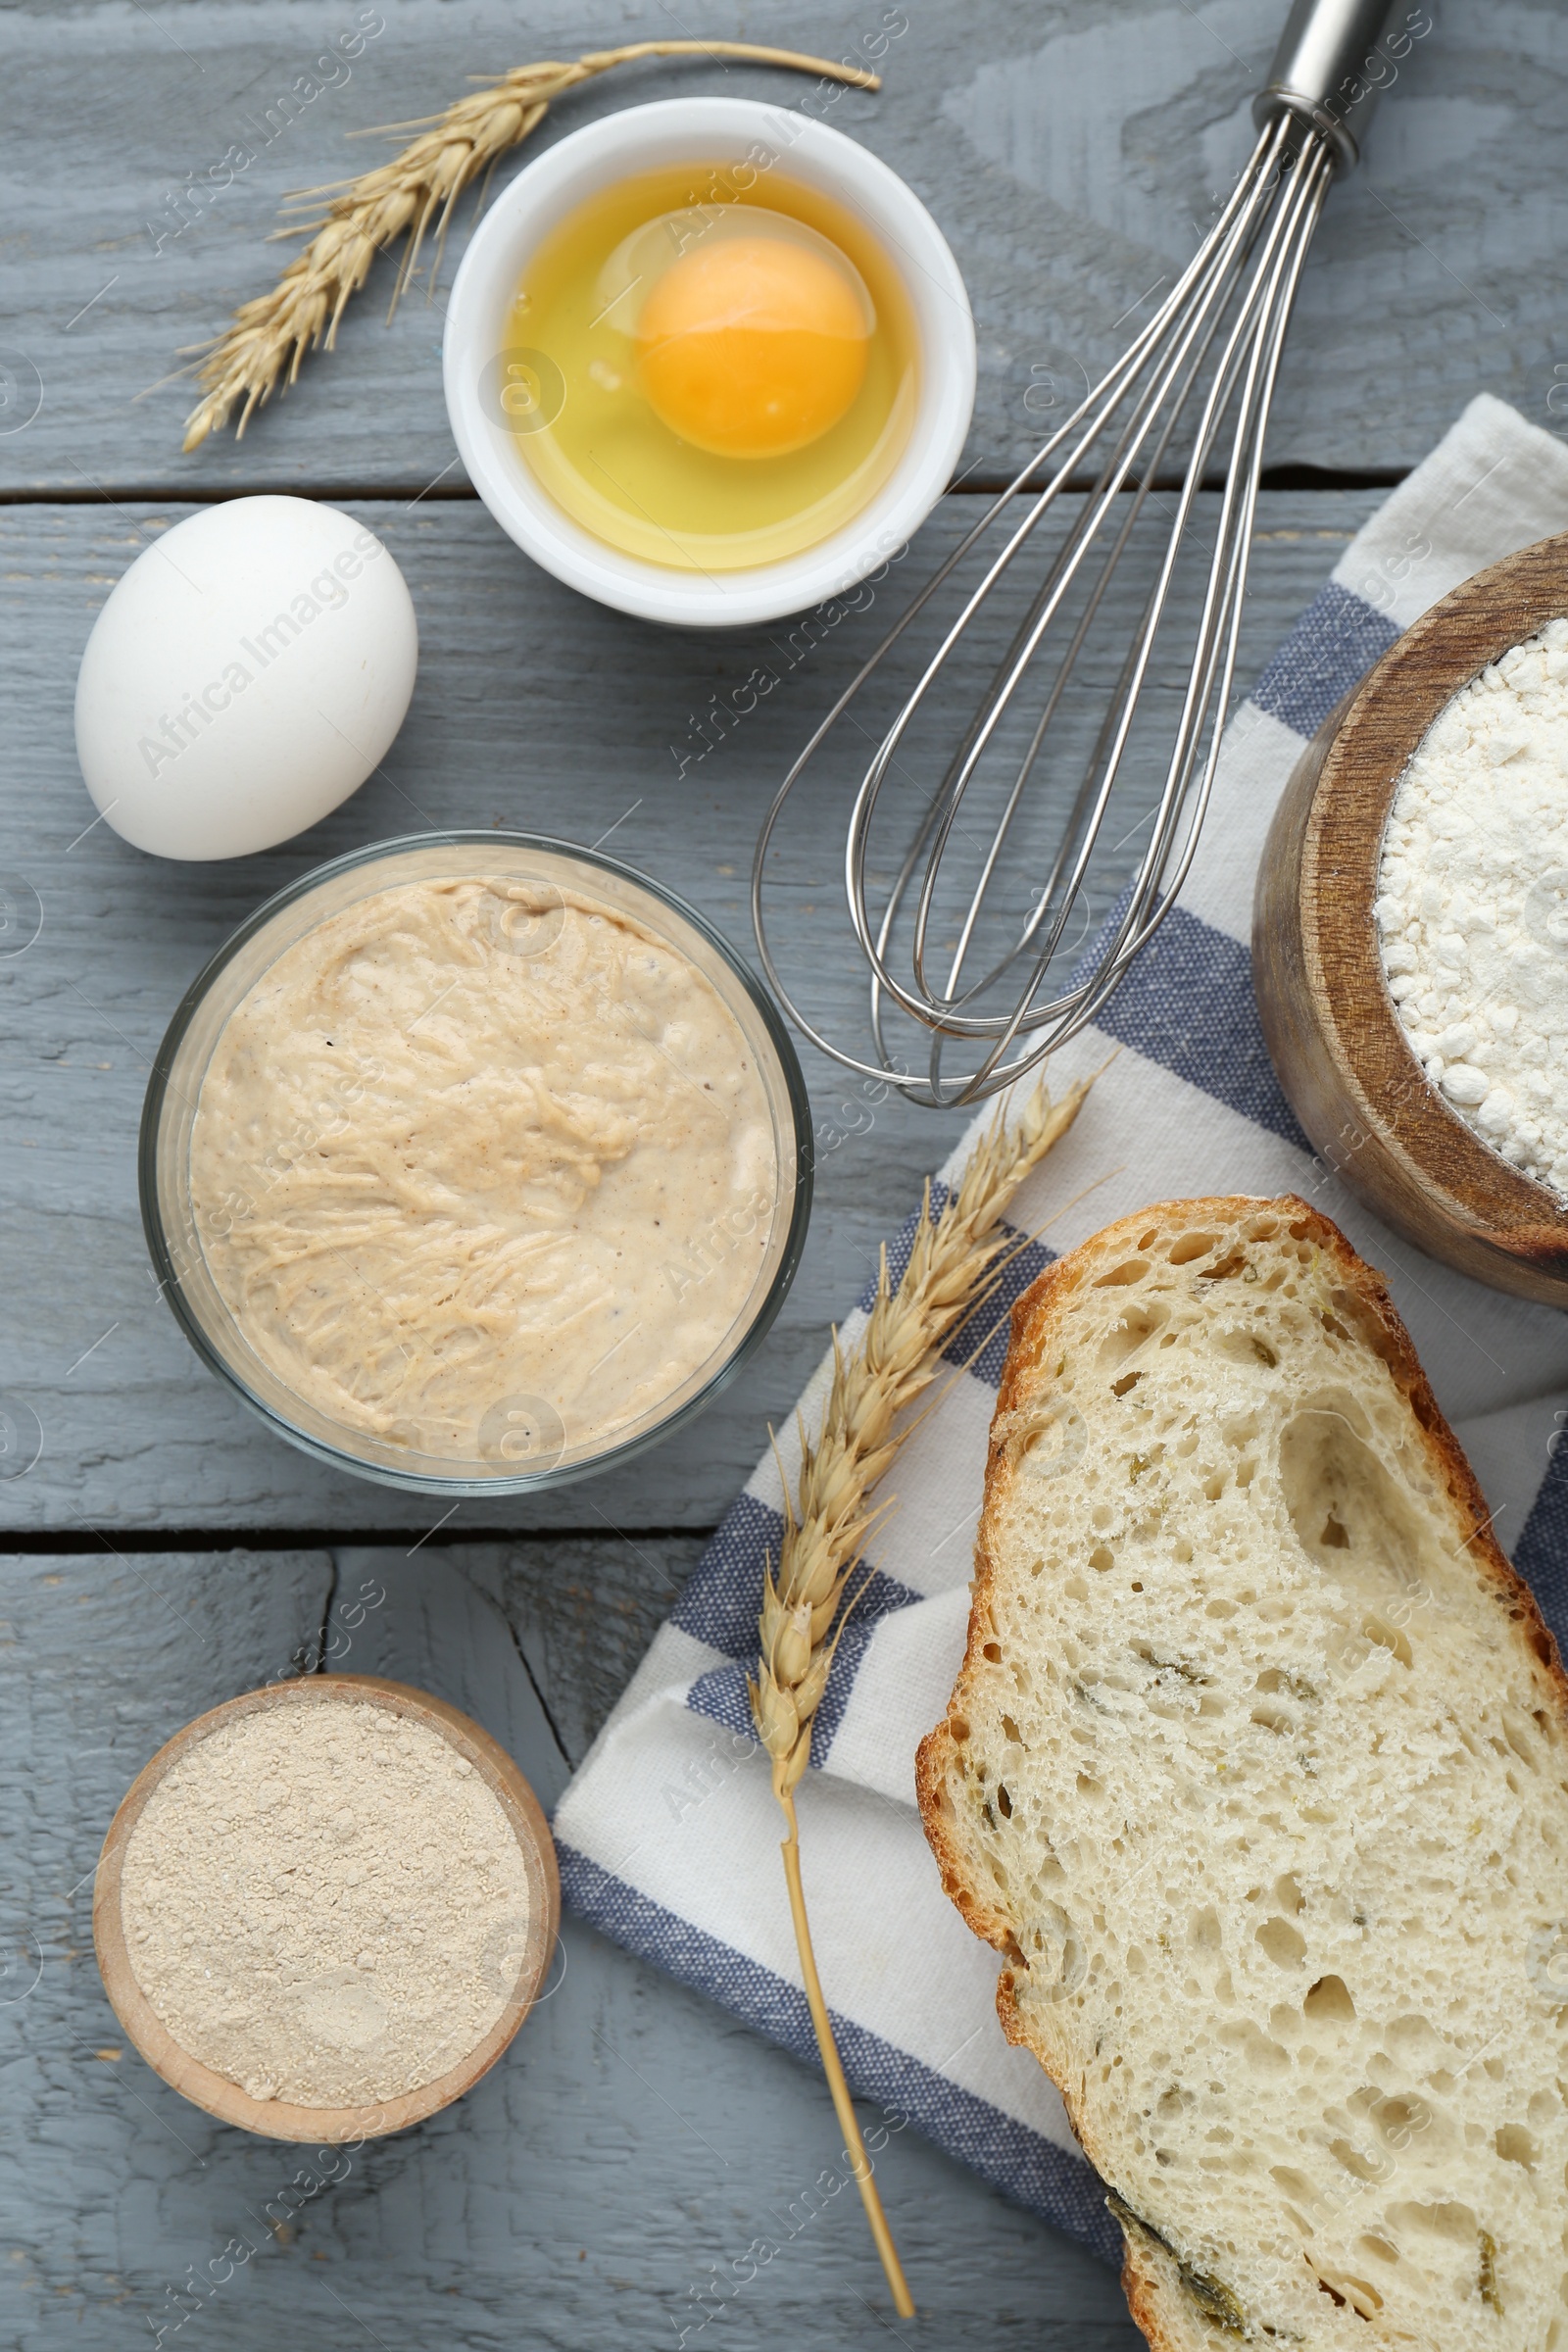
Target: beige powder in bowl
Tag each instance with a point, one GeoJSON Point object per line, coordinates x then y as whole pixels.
{"type": "Point", "coordinates": [326, 1904]}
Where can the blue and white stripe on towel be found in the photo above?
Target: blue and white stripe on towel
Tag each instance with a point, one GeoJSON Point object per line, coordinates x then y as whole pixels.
{"type": "Point", "coordinates": [668, 1835]}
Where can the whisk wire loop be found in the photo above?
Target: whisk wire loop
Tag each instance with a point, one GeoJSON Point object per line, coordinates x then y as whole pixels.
{"type": "Point", "coordinates": [1106, 761]}
{"type": "Point", "coordinates": [1207, 276]}
{"type": "Point", "coordinates": [1209, 353]}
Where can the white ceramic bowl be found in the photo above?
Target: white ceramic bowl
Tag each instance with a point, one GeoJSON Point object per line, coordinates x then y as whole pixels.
{"type": "Point", "coordinates": [708, 131]}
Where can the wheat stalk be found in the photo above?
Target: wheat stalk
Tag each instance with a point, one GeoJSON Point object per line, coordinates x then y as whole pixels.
{"type": "Point", "coordinates": [826, 1523]}
{"type": "Point", "coordinates": [418, 188]}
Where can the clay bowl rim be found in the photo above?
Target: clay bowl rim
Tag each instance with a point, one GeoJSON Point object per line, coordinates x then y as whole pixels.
{"type": "Point", "coordinates": [1369, 748]}
{"type": "Point", "coordinates": [287, 2119]}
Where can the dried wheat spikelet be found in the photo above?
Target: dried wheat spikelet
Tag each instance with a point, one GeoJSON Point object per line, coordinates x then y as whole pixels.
{"type": "Point", "coordinates": [954, 1255]}
{"type": "Point", "coordinates": [417, 188]}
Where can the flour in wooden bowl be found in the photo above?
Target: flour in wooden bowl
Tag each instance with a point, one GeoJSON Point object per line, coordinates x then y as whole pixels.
{"type": "Point", "coordinates": [1472, 907]}
{"type": "Point", "coordinates": [326, 1904]}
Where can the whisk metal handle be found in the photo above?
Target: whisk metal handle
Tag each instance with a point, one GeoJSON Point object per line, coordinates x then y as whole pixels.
{"type": "Point", "coordinates": [1332, 62]}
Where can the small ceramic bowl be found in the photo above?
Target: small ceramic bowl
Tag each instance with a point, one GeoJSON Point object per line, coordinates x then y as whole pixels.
{"type": "Point", "coordinates": [725, 131]}
{"type": "Point", "coordinates": [281, 2119]}
{"type": "Point", "coordinates": [1341, 1051]}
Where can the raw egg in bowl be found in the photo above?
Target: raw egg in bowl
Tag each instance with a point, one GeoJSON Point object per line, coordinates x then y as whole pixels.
{"type": "Point", "coordinates": [709, 362]}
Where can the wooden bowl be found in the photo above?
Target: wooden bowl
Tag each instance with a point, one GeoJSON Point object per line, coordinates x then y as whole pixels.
{"type": "Point", "coordinates": [280, 2119]}
{"type": "Point", "coordinates": [1339, 1049]}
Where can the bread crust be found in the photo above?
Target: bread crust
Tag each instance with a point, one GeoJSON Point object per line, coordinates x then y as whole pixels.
{"type": "Point", "coordinates": [1155, 2300]}
{"type": "Point", "coordinates": [1151, 2281]}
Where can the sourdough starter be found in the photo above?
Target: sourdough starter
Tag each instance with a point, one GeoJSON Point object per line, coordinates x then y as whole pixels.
{"type": "Point", "coordinates": [483, 1171]}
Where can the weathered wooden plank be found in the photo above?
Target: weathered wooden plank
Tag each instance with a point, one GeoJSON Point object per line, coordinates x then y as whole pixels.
{"type": "Point", "coordinates": [102, 1658]}
{"type": "Point", "coordinates": [632, 2141]}
{"type": "Point", "coordinates": [534, 707]}
{"type": "Point", "coordinates": [415, 1616]}
{"type": "Point", "coordinates": [1068, 152]}
{"type": "Point", "coordinates": [582, 1609]}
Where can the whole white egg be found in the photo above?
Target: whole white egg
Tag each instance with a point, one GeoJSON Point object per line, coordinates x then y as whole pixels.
{"type": "Point", "coordinates": [244, 677]}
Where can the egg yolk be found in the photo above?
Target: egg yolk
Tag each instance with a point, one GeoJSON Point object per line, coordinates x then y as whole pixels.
{"type": "Point", "coordinates": [751, 346]}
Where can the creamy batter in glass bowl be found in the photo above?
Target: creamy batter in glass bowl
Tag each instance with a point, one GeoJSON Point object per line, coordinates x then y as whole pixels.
{"type": "Point", "coordinates": [474, 1162]}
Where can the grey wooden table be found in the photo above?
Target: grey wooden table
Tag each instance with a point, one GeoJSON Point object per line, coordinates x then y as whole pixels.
{"type": "Point", "coordinates": [162, 1551]}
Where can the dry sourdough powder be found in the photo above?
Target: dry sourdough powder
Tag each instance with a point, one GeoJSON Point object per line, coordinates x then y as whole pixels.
{"type": "Point", "coordinates": [326, 1903]}
{"type": "Point", "coordinates": [1473, 904]}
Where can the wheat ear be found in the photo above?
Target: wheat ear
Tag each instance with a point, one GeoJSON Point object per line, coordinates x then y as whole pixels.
{"type": "Point", "coordinates": [418, 188]}
{"type": "Point", "coordinates": [826, 1522]}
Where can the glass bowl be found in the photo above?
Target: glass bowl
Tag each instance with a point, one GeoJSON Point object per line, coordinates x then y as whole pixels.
{"type": "Point", "coordinates": [521, 1443]}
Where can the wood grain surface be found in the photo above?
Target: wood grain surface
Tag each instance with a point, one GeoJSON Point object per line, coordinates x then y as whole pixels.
{"type": "Point", "coordinates": [631, 2142]}
{"type": "Point", "coordinates": [1067, 151]}
{"type": "Point", "coordinates": [634, 2140]}
{"type": "Point", "coordinates": [535, 708]}
{"type": "Point", "coordinates": [1343, 1055]}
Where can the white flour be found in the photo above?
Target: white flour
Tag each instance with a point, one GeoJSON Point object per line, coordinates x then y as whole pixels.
{"type": "Point", "coordinates": [1473, 904]}
{"type": "Point", "coordinates": [326, 1903]}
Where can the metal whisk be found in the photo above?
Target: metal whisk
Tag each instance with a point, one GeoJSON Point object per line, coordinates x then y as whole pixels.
{"type": "Point", "coordinates": [1196, 381]}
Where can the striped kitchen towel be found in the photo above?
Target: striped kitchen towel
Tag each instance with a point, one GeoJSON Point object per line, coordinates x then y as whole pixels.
{"type": "Point", "coordinates": [668, 1836]}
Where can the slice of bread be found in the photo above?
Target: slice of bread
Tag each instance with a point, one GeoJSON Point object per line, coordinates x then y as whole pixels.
{"type": "Point", "coordinates": [1257, 1773]}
